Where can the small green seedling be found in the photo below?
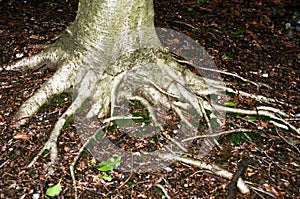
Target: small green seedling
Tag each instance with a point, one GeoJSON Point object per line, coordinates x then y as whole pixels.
{"type": "Point", "coordinates": [227, 57]}
{"type": "Point", "coordinates": [107, 177]}
{"type": "Point", "coordinates": [110, 164]}
{"type": "Point", "coordinates": [163, 196]}
{"type": "Point", "coordinates": [251, 119]}
{"type": "Point", "coordinates": [229, 104]}
{"type": "Point", "coordinates": [69, 120]}
{"type": "Point", "coordinates": [54, 190]}
{"type": "Point", "coordinates": [238, 139]}
{"type": "Point", "coordinates": [238, 32]}
{"type": "Point", "coordinates": [190, 9]}
{"type": "Point", "coordinates": [129, 183]}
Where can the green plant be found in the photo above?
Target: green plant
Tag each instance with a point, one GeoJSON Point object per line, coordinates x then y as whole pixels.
{"type": "Point", "coordinates": [140, 111]}
{"type": "Point", "coordinates": [238, 32]}
{"type": "Point", "coordinates": [227, 57]}
{"type": "Point", "coordinates": [238, 139]}
{"type": "Point", "coordinates": [54, 190]}
{"type": "Point", "coordinates": [251, 119]}
{"type": "Point", "coordinates": [109, 165]}
{"type": "Point", "coordinates": [107, 177]}
{"type": "Point", "coordinates": [163, 196]}
{"type": "Point", "coordinates": [56, 99]}
{"type": "Point", "coordinates": [129, 183]}
{"type": "Point", "coordinates": [229, 104]}
{"type": "Point", "coordinates": [31, 171]}
{"type": "Point", "coordinates": [69, 120]}
{"type": "Point", "coordinates": [45, 152]}
{"type": "Point", "coordinates": [190, 9]}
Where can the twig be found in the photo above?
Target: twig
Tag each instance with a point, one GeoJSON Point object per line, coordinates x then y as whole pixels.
{"type": "Point", "coordinates": [217, 134]}
{"type": "Point", "coordinates": [72, 166]}
{"type": "Point", "coordinates": [259, 189]}
{"type": "Point", "coordinates": [289, 143]}
{"type": "Point", "coordinates": [211, 167]}
{"type": "Point", "coordinates": [131, 173]}
{"type": "Point", "coordinates": [163, 190]}
{"type": "Point", "coordinates": [188, 25]}
{"type": "Point", "coordinates": [221, 72]}
{"type": "Point", "coordinates": [232, 189]}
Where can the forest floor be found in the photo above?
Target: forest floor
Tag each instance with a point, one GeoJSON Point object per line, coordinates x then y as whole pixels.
{"type": "Point", "coordinates": [259, 40]}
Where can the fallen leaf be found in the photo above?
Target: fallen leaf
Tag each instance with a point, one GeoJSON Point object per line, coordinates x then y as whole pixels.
{"type": "Point", "coordinates": [250, 172]}
{"type": "Point", "coordinates": [263, 124]}
{"type": "Point", "coordinates": [66, 148]}
{"type": "Point", "coordinates": [20, 136]}
{"type": "Point", "coordinates": [54, 190]}
{"type": "Point", "coordinates": [271, 189]}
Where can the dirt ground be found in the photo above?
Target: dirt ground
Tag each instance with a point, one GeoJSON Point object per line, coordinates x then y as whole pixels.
{"type": "Point", "coordinates": [258, 40]}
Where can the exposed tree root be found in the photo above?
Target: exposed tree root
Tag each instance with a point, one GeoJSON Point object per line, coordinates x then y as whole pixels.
{"type": "Point", "coordinates": [258, 85]}
{"type": "Point", "coordinates": [211, 167]}
{"type": "Point", "coordinates": [86, 89]}
{"type": "Point", "coordinates": [260, 112]}
{"type": "Point", "coordinates": [58, 83]}
{"type": "Point", "coordinates": [48, 58]}
{"type": "Point", "coordinates": [202, 165]}
{"type": "Point", "coordinates": [217, 134]}
{"type": "Point", "coordinates": [168, 86]}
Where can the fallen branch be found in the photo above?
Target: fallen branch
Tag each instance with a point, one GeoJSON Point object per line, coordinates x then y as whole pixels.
{"type": "Point", "coordinates": [211, 167]}
{"type": "Point", "coordinates": [217, 134]}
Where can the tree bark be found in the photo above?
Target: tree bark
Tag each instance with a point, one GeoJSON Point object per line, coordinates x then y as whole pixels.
{"type": "Point", "coordinates": [105, 28]}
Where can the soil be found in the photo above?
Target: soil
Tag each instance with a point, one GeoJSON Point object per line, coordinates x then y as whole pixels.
{"type": "Point", "coordinates": [258, 40]}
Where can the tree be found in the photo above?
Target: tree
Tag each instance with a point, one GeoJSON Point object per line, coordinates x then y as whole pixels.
{"type": "Point", "coordinates": [91, 54]}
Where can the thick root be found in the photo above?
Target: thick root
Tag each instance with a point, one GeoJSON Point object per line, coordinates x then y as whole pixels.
{"type": "Point", "coordinates": [263, 111]}
{"type": "Point", "coordinates": [86, 88]}
{"type": "Point", "coordinates": [59, 82]}
{"type": "Point", "coordinates": [49, 58]}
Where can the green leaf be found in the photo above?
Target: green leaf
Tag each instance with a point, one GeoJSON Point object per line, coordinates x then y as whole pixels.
{"type": "Point", "coordinates": [129, 183]}
{"type": "Point", "coordinates": [238, 139]}
{"type": "Point", "coordinates": [230, 104]}
{"type": "Point", "coordinates": [54, 190]}
{"type": "Point", "coordinates": [251, 119]}
{"type": "Point", "coordinates": [190, 9]}
{"type": "Point", "coordinates": [107, 177]}
{"type": "Point", "coordinates": [238, 32]}
{"type": "Point", "coordinates": [104, 166]}
{"type": "Point", "coordinates": [227, 57]}
{"type": "Point", "coordinates": [109, 165]}
{"type": "Point", "coordinates": [219, 31]}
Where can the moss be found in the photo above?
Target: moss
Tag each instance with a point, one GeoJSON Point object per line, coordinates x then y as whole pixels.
{"type": "Point", "coordinates": [69, 120]}
{"type": "Point", "coordinates": [140, 111]}
{"type": "Point", "coordinates": [56, 99]}
{"type": "Point", "coordinates": [237, 139]}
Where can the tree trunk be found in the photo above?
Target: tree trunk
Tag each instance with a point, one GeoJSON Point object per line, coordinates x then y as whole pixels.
{"type": "Point", "coordinates": [102, 32]}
